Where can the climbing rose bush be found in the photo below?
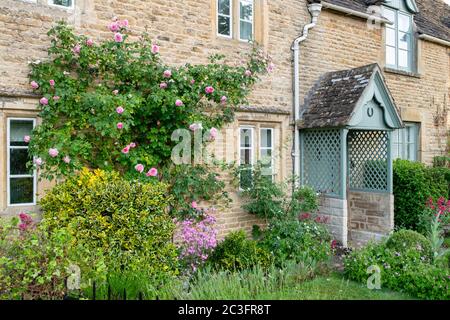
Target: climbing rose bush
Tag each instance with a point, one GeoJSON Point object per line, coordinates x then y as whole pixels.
{"type": "Point", "coordinates": [114, 104]}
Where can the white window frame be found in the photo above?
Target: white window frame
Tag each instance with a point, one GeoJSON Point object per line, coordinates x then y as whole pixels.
{"type": "Point", "coordinates": [249, 21]}
{"type": "Point", "coordinates": [271, 148]}
{"type": "Point", "coordinates": [251, 148]}
{"type": "Point", "coordinates": [403, 146]}
{"type": "Point", "coordinates": [8, 164]}
{"type": "Point", "coordinates": [51, 3]}
{"type": "Point", "coordinates": [227, 16]}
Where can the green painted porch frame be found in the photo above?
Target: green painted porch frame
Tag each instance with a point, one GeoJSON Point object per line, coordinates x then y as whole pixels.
{"type": "Point", "coordinates": [375, 111]}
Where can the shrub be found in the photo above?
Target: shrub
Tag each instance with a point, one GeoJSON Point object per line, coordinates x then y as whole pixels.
{"type": "Point", "coordinates": [127, 220]}
{"type": "Point", "coordinates": [291, 239]}
{"type": "Point", "coordinates": [236, 252]}
{"type": "Point", "coordinates": [414, 184]}
{"type": "Point", "coordinates": [404, 267]}
{"type": "Point", "coordinates": [405, 240]}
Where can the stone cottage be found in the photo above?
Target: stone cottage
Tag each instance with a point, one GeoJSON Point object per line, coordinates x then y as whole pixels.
{"type": "Point", "coordinates": [357, 83]}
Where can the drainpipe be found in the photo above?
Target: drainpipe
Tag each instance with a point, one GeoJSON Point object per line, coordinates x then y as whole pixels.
{"type": "Point", "coordinates": [314, 10]}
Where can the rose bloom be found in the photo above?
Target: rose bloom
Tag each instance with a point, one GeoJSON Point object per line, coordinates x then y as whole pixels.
{"type": "Point", "coordinates": [223, 99]}
{"type": "Point", "coordinates": [126, 150]}
{"type": "Point", "coordinates": [167, 74]}
{"type": "Point", "coordinates": [56, 98]}
{"type": "Point", "coordinates": [139, 168]}
{"type": "Point", "coordinates": [38, 161]}
{"type": "Point", "coordinates": [120, 125]}
{"type": "Point", "coordinates": [155, 49]}
{"type": "Point", "coordinates": [114, 27]}
{"type": "Point", "coordinates": [132, 145]}
{"type": "Point", "coordinates": [44, 101]}
{"type": "Point", "coordinates": [248, 73]}
{"type": "Point", "coordinates": [120, 110]}
{"type": "Point", "coordinates": [213, 133]}
{"type": "Point", "coordinates": [34, 84]}
{"type": "Point", "coordinates": [163, 85]}
{"type": "Point", "coordinates": [53, 152]}
{"type": "Point", "coordinates": [52, 82]}
{"type": "Point", "coordinates": [178, 103]}
{"type": "Point", "coordinates": [66, 159]}
{"type": "Point", "coordinates": [209, 89]}
{"type": "Point", "coordinates": [118, 37]}
{"type": "Point", "coordinates": [77, 49]}
{"type": "Point", "coordinates": [194, 205]}
{"type": "Point", "coordinates": [153, 172]}
{"type": "Point", "coordinates": [26, 139]}
{"type": "Point", "coordinates": [89, 42]}
{"type": "Point", "coordinates": [115, 92]}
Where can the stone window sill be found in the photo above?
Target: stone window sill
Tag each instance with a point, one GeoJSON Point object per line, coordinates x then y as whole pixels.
{"type": "Point", "coordinates": [403, 73]}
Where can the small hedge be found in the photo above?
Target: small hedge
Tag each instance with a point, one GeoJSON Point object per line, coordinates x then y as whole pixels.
{"type": "Point", "coordinates": [236, 252]}
{"type": "Point", "coordinates": [127, 220]}
{"type": "Point", "coordinates": [414, 184]}
{"type": "Point", "coordinates": [407, 270]}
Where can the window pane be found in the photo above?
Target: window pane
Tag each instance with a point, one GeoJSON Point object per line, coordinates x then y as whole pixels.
{"type": "Point", "coordinates": [224, 7]}
{"type": "Point", "coordinates": [389, 14]}
{"type": "Point", "coordinates": [266, 158]}
{"type": "Point", "coordinates": [266, 138]}
{"type": "Point", "coordinates": [245, 178]}
{"type": "Point", "coordinates": [65, 3]}
{"type": "Point", "coordinates": [403, 41]}
{"type": "Point", "coordinates": [246, 138]}
{"type": "Point", "coordinates": [403, 60]}
{"type": "Point", "coordinates": [21, 190]}
{"type": "Point", "coordinates": [390, 56]}
{"type": "Point", "coordinates": [246, 156]}
{"type": "Point", "coordinates": [17, 130]}
{"type": "Point", "coordinates": [404, 23]}
{"type": "Point", "coordinates": [246, 10]}
{"type": "Point", "coordinates": [390, 37]}
{"type": "Point", "coordinates": [246, 30]}
{"type": "Point", "coordinates": [224, 26]}
{"type": "Point", "coordinates": [17, 161]}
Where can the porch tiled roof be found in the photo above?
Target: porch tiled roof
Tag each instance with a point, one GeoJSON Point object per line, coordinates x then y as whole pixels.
{"type": "Point", "coordinates": [433, 18]}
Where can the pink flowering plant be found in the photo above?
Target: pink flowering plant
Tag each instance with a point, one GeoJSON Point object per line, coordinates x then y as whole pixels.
{"type": "Point", "coordinates": [118, 91]}
{"type": "Point", "coordinates": [198, 238]}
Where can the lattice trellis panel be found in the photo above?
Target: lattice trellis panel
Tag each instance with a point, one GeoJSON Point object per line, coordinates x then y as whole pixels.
{"type": "Point", "coordinates": [322, 160]}
{"type": "Point", "coordinates": [367, 159]}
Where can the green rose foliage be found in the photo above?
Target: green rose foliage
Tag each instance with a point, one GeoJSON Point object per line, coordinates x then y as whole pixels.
{"type": "Point", "coordinates": [126, 220]}
{"type": "Point", "coordinates": [82, 123]}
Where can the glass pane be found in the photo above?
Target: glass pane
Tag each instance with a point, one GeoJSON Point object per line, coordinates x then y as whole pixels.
{"type": "Point", "coordinates": [246, 138]}
{"type": "Point", "coordinates": [224, 7]}
{"type": "Point", "coordinates": [246, 30]}
{"type": "Point", "coordinates": [245, 178]}
{"type": "Point", "coordinates": [404, 23]}
{"type": "Point", "coordinates": [65, 3]}
{"type": "Point", "coordinates": [403, 60]}
{"type": "Point", "coordinates": [17, 130]}
{"type": "Point", "coordinates": [266, 157]}
{"type": "Point", "coordinates": [389, 14]}
{"type": "Point", "coordinates": [390, 37]}
{"type": "Point", "coordinates": [246, 156]}
{"type": "Point", "coordinates": [266, 138]}
{"type": "Point", "coordinates": [403, 41]}
{"type": "Point", "coordinates": [17, 161]}
{"type": "Point", "coordinates": [246, 10]}
{"type": "Point", "coordinates": [390, 56]}
{"type": "Point", "coordinates": [224, 26]}
{"type": "Point", "coordinates": [21, 190]}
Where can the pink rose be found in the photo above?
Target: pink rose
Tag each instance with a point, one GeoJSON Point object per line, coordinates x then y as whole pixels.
{"type": "Point", "coordinates": [167, 74]}
{"type": "Point", "coordinates": [26, 139]}
{"type": "Point", "coordinates": [123, 23]}
{"type": "Point", "coordinates": [66, 159]}
{"type": "Point", "coordinates": [209, 90]}
{"type": "Point", "coordinates": [213, 133]}
{"type": "Point", "coordinates": [52, 82]}
{"type": "Point", "coordinates": [44, 101]}
{"type": "Point", "coordinates": [38, 161]}
{"type": "Point", "coordinates": [192, 81]}
{"type": "Point", "coordinates": [118, 37]}
{"type": "Point", "coordinates": [34, 84]}
{"type": "Point", "coordinates": [155, 49]}
{"type": "Point", "coordinates": [115, 92]}
{"type": "Point", "coordinates": [153, 172]}
{"type": "Point", "coordinates": [53, 152]}
{"type": "Point", "coordinates": [194, 205]}
{"type": "Point", "coordinates": [77, 49]}
{"type": "Point", "coordinates": [55, 98]}
{"type": "Point", "coordinates": [89, 42]}
{"type": "Point", "coordinates": [139, 168]}
{"type": "Point", "coordinates": [195, 126]}
{"type": "Point", "coordinates": [163, 85]}
{"type": "Point", "coordinates": [120, 125]}
{"type": "Point", "coordinates": [126, 150]}
{"type": "Point", "coordinates": [223, 99]}
{"type": "Point", "coordinates": [270, 67]}
{"type": "Point", "coordinates": [120, 110]}
{"type": "Point", "coordinates": [178, 103]}
{"type": "Point", "coordinates": [114, 26]}
{"type": "Point", "coordinates": [248, 73]}
{"type": "Point", "coordinates": [132, 145]}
